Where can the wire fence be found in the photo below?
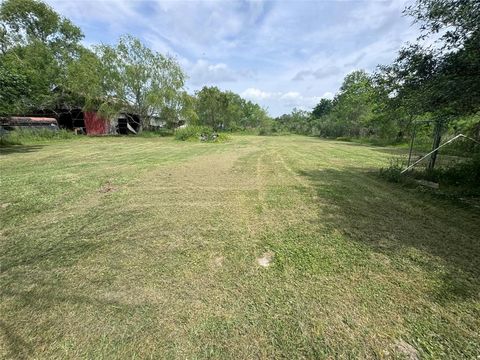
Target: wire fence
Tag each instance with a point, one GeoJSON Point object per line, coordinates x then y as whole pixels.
{"type": "Point", "coordinates": [443, 151]}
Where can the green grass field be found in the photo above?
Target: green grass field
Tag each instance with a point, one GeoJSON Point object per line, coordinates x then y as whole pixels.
{"type": "Point", "coordinates": [150, 248]}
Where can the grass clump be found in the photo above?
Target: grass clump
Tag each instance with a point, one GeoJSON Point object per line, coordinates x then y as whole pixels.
{"type": "Point", "coordinates": [393, 172]}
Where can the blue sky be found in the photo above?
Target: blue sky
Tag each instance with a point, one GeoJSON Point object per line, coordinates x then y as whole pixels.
{"type": "Point", "coordinates": [280, 54]}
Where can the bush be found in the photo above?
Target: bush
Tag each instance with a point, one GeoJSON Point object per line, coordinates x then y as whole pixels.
{"type": "Point", "coordinates": [192, 132]}
{"type": "Point", "coordinates": [25, 136]}
{"type": "Point", "coordinates": [465, 173]}
{"type": "Point", "coordinates": [265, 131]}
{"type": "Point", "coordinates": [199, 133]}
{"type": "Point", "coordinates": [393, 173]}
{"type": "Point", "coordinates": [461, 179]}
{"type": "Point", "coordinates": [329, 129]}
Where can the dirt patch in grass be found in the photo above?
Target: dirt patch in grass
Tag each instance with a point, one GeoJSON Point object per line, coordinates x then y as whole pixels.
{"type": "Point", "coordinates": [218, 261]}
{"type": "Point", "coordinates": [107, 189]}
{"type": "Point", "coordinates": [407, 350]}
{"type": "Point", "coordinates": [266, 259]}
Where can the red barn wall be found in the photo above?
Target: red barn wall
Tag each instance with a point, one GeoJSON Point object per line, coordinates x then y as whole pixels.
{"type": "Point", "coordinates": [95, 124]}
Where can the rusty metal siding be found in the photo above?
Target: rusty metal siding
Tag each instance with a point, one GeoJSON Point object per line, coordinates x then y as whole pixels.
{"type": "Point", "coordinates": [95, 124]}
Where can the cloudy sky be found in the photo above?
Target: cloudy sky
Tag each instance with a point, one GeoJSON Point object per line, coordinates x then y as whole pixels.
{"type": "Point", "coordinates": [281, 54]}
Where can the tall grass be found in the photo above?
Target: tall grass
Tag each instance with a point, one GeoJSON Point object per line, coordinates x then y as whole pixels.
{"type": "Point", "coordinates": [156, 133]}
{"type": "Point", "coordinates": [28, 136]}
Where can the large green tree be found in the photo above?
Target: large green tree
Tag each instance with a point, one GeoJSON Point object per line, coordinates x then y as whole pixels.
{"type": "Point", "coordinates": [225, 110]}
{"type": "Point", "coordinates": [36, 47]}
{"type": "Point", "coordinates": [133, 78]}
{"type": "Point", "coordinates": [323, 108]}
{"type": "Point", "coordinates": [354, 103]}
{"type": "Point", "coordinates": [456, 20]}
{"type": "Point", "coordinates": [212, 107]}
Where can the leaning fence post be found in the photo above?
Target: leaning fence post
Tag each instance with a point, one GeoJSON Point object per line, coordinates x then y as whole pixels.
{"type": "Point", "coordinates": [411, 143]}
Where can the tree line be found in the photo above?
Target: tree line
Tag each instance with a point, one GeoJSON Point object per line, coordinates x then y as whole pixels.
{"type": "Point", "coordinates": [437, 84]}
{"type": "Point", "coordinates": [43, 65]}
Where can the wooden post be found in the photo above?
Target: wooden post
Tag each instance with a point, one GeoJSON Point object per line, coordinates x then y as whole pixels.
{"type": "Point", "coordinates": [411, 143]}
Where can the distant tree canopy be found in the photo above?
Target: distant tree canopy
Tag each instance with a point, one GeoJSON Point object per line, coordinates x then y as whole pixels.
{"type": "Point", "coordinates": [135, 79]}
{"type": "Point", "coordinates": [225, 110]}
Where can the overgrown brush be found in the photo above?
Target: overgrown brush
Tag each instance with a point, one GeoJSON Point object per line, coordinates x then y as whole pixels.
{"type": "Point", "coordinates": [461, 178]}
{"type": "Point", "coordinates": [393, 172]}
{"type": "Point", "coordinates": [199, 133]}
{"type": "Point", "coordinates": [465, 173]}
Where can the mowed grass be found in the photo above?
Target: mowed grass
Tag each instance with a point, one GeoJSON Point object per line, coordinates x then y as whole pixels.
{"type": "Point", "coordinates": [148, 248]}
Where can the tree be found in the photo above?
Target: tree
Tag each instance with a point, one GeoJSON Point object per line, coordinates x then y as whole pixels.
{"type": "Point", "coordinates": [183, 111]}
{"type": "Point", "coordinates": [212, 107]}
{"type": "Point", "coordinates": [324, 107]}
{"type": "Point", "coordinates": [27, 21]}
{"type": "Point", "coordinates": [14, 89]}
{"type": "Point", "coordinates": [36, 46]}
{"type": "Point", "coordinates": [458, 20]}
{"type": "Point", "coordinates": [297, 122]}
{"type": "Point", "coordinates": [136, 79]}
{"type": "Point", "coordinates": [353, 105]}
{"type": "Point", "coordinates": [253, 116]}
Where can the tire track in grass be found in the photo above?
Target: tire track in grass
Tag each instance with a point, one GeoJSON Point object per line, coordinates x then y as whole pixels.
{"type": "Point", "coordinates": [260, 184]}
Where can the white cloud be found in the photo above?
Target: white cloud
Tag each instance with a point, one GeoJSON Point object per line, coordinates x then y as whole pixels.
{"type": "Point", "coordinates": [204, 73]}
{"type": "Point", "coordinates": [256, 94]}
{"type": "Point", "coordinates": [291, 95]}
{"type": "Point", "coordinates": [295, 99]}
{"type": "Point", "coordinates": [328, 95]}
{"type": "Point", "coordinates": [283, 99]}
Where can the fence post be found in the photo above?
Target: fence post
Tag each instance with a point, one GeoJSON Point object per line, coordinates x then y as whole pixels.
{"type": "Point", "coordinates": [437, 137]}
{"type": "Point", "coordinates": [411, 143]}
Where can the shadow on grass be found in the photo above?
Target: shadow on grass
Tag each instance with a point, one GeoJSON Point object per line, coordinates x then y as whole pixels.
{"type": "Point", "coordinates": [393, 220]}
{"type": "Point", "coordinates": [58, 254]}
{"type": "Point", "coordinates": [45, 299]}
{"type": "Point", "coordinates": [18, 348]}
{"type": "Point", "coordinates": [12, 149]}
{"type": "Point", "coordinates": [395, 151]}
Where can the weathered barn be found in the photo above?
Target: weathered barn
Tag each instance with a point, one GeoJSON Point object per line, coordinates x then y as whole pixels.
{"type": "Point", "coordinates": [124, 124]}
{"type": "Point", "coordinates": [90, 122]}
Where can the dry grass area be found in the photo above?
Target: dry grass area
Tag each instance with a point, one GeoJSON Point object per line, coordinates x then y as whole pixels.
{"type": "Point", "coordinates": [263, 247]}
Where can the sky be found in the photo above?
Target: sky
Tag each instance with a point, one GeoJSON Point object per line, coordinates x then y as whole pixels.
{"type": "Point", "coordinates": [281, 54]}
